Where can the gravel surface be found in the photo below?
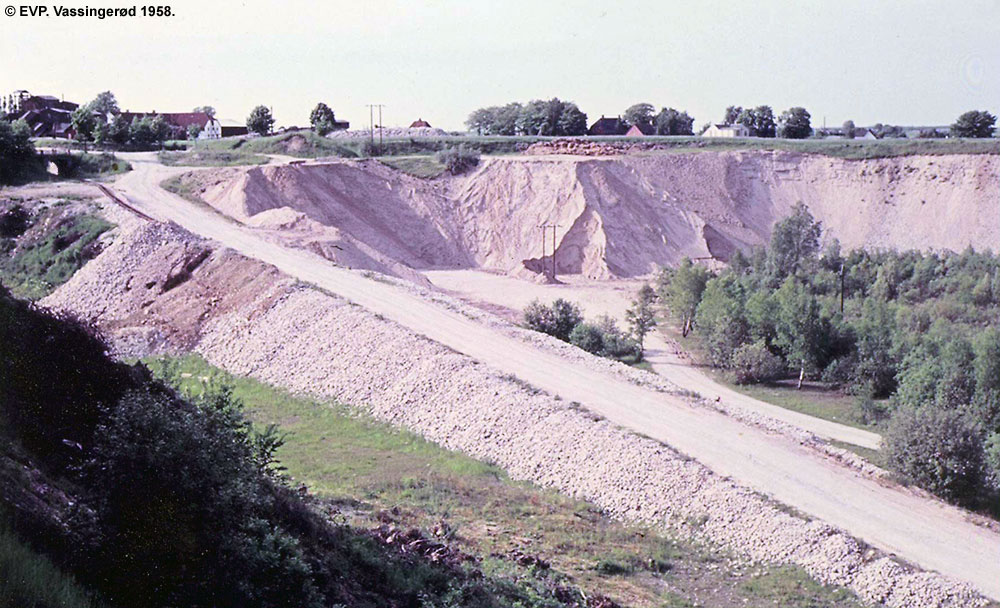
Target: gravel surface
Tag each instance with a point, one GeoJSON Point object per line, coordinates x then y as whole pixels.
{"type": "Point", "coordinates": [303, 339]}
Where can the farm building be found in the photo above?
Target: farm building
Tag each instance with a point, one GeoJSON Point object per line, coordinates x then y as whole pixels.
{"type": "Point", "coordinates": [724, 130]}
{"type": "Point", "coordinates": [420, 123]}
{"type": "Point", "coordinates": [47, 116]}
{"type": "Point", "coordinates": [608, 126]}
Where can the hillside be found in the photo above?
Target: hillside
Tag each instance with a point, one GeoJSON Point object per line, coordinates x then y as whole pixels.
{"type": "Point", "coordinates": [617, 216]}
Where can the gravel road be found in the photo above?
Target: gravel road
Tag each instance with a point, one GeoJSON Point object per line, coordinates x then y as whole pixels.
{"type": "Point", "coordinates": [926, 532]}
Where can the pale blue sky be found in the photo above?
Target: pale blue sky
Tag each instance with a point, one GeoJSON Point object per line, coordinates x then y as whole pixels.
{"type": "Point", "coordinates": [891, 61]}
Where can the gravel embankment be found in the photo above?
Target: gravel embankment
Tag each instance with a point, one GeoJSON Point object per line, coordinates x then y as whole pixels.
{"type": "Point", "coordinates": [311, 342]}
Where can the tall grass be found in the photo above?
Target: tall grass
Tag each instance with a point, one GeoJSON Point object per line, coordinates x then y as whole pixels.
{"type": "Point", "coordinates": [30, 580]}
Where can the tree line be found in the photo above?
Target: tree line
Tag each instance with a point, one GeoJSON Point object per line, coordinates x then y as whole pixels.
{"type": "Point", "coordinates": [667, 121]}
{"type": "Point", "coordinates": [537, 117]}
{"type": "Point", "coordinates": [793, 123]}
{"type": "Point", "coordinates": [913, 335]}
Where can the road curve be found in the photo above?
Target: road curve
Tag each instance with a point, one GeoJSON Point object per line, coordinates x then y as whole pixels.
{"type": "Point", "coordinates": [933, 535]}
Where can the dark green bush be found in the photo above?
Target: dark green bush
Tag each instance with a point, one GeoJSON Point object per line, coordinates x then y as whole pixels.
{"type": "Point", "coordinates": [587, 337]}
{"type": "Point", "coordinates": [458, 159]}
{"type": "Point", "coordinates": [939, 450]}
{"type": "Point", "coordinates": [753, 363]}
{"type": "Point", "coordinates": [557, 320]}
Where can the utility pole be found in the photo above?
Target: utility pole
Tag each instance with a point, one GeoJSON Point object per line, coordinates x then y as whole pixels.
{"type": "Point", "coordinates": [552, 267]}
{"type": "Point", "coordinates": [380, 125]}
{"type": "Point", "coordinates": [842, 288]}
{"type": "Point", "coordinates": [544, 228]}
{"type": "Point", "coordinates": [371, 121]}
{"type": "Point", "coordinates": [371, 124]}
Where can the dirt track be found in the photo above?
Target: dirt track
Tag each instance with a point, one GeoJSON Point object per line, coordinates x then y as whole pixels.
{"type": "Point", "coordinates": [600, 298]}
{"type": "Point", "coordinates": [926, 532]}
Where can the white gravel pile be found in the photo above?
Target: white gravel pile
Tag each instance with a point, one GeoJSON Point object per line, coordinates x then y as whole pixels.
{"type": "Point", "coordinates": [308, 341]}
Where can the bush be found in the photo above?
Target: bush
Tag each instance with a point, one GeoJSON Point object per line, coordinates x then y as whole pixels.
{"type": "Point", "coordinates": [557, 320]}
{"type": "Point", "coordinates": [616, 343]}
{"type": "Point", "coordinates": [939, 450]}
{"type": "Point", "coordinates": [753, 363]}
{"type": "Point", "coordinates": [588, 337]}
{"type": "Point", "coordinates": [458, 159]}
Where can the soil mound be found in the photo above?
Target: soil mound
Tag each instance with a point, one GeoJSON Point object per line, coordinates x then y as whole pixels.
{"type": "Point", "coordinates": [618, 216]}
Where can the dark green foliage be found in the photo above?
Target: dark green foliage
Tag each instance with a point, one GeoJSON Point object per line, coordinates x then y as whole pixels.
{"type": "Point", "coordinates": [974, 123]}
{"type": "Point", "coordinates": [587, 337]}
{"type": "Point", "coordinates": [540, 118]}
{"type": "Point", "coordinates": [759, 120]}
{"type": "Point", "coordinates": [640, 316]}
{"type": "Point", "coordinates": [260, 120]}
{"type": "Point", "coordinates": [105, 103]}
{"type": "Point", "coordinates": [753, 363]}
{"type": "Point", "coordinates": [640, 115]}
{"type": "Point", "coordinates": [794, 124]}
{"type": "Point", "coordinates": [794, 240]}
{"type": "Point", "coordinates": [671, 122]}
{"type": "Point", "coordinates": [458, 159]}
{"type": "Point", "coordinates": [557, 320]}
{"type": "Point", "coordinates": [322, 119]}
{"type": "Point", "coordinates": [681, 291]}
{"type": "Point", "coordinates": [17, 154]}
{"type": "Point", "coordinates": [938, 449]}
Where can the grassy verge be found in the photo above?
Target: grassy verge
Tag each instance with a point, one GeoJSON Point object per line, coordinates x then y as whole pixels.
{"type": "Point", "coordinates": [28, 579]}
{"type": "Point", "coordinates": [35, 264]}
{"type": "Point", "coordinates": [378, 474]}
{"type": "Point", "coordinates": [426, 167]}
{"type": "Point", "coordinates": [206, 157]}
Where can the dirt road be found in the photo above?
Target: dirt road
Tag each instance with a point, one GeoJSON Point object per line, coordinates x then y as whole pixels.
{"type": "Point", "coordinates": [926, 532]}
{"type": "Point", "coordinates": [613, 298]}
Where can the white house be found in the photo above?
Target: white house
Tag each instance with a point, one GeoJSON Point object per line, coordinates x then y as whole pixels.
{"type": "Point", "coordinates": [722, 130]}
{"type": "Point", "coordinates": [212, 130]}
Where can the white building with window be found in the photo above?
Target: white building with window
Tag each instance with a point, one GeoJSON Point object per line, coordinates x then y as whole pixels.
{"type": "Point", "coordinates": [212, 130]}
{"type": "Point", "coordinates": [719, 130]}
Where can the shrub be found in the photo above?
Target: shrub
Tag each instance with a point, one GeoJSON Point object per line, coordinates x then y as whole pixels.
{"type": "Point", "coordinates": [616, 343]}
{"type": "Point", "coordinates": [557, 320]}
{"type": "Point", "coordinates": [753, 363]}
{"type": "Point", "coordinates": [588, 337]}
{"type": "Point", "coordinates": [458, 159]}
{"type": "Point", "coordinates": [939, 450]}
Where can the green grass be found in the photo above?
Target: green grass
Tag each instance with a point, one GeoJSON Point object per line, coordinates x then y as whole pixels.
{"type": "Point", "coordinates": [378, 473]}
{"type": "Point", "coordinates": [30, 580]}
{"type": "Point", "coordinates": [309, 145]}
{"type": "Point", "coordinates": [426, 167]}
{"type": "Point", "coordinates": [206, 157]}
{"type": "Point", "coordinates": [34, 268]}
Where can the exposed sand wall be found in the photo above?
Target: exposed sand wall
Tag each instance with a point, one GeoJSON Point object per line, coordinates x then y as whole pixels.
{"type": "Point", "coordinates": [617, 216]}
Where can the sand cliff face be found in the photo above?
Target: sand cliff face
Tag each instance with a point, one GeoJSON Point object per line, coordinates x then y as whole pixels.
{"type": "Point", "coordinates": [616, 216]}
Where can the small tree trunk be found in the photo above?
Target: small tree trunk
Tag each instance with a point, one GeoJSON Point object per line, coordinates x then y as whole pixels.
{"type": "Point", "coordinates": [802, 374]}
{"type": "Point", "coordinates": [687, 327]}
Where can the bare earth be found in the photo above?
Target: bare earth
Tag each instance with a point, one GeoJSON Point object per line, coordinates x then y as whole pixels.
{"type": "Point", "coordinates": [926, 532]}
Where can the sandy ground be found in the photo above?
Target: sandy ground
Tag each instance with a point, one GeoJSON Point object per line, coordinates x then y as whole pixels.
{"type": "Point", "coordinates": [613, 298]}
{"type": "Point", "coordinates": [926, 532]}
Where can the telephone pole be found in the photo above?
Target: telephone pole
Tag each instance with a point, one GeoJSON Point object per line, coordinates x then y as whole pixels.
{"type": "Point", "coordinates": [371, 121]}
{"type": "Point", "coordinates": [552, 268]}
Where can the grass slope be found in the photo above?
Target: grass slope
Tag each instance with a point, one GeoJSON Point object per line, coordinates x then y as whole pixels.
{"type": "Point", "coordinates": [209, 157]}
{"type": "Point", "coordinates": [396, 476]}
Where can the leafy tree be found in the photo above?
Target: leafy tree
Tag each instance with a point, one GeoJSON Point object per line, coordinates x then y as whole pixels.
{"type": "Point", "coordinates": [506, 119]}
{"type": "Point", "coordinates": [194, 130]}
{"type": "Point", "coordinates": [83, 123]}
{"type": "Point", "coordinates": [105, 104]}
{"type": "Point", "coordinates": [101, 133]}
{"type": "Point", "coordinates": [798, 329]}
{"type": "Point", "coordinates": [160, 128]}
{"type": "Point", "coordinates": [986, 368]}
{"type": "Point", "coordinates": [682, 292]}
{"type": "Point", "coordinates": [849, 129]}
{"type": "Point", "coordinates": [640, 114]}
{"type": "Point", "coordinates": [533, 118]}
{"type": "Point", "coordinates": [732, 113]}
{"type": "Point", "coordinates": [974, 123]}
{"type": "Point", "coordinates": [557, 320]}
{"type": "Point", "coordinates": [260, 121]}
{"type": "Point", "coordinates": [322, 119]}
{"type": "Point", "coordinates": [482, 120]}
{"type": "Point", "coordinates": [572, 121]}
{"type": "Point", "coordinates": [938, 449]}
{"type": "Point", "coordinates": [753, 363]}
{"type": "Point", "coordinates": [457, 159]}
{"type": "Point", "coordinates": [615, 343]}
{"type": "Point", "coordinates": [587, 337]}
{"type": "Point", "coordinates": [16, 151]}
{"type": "Point", "coordinates": [118, 130]}
{"type": "Point", "coordinates": [795, 240]}
{"type": "Point", "coordinates": [759, 120]}
{"type": "Point", "coordinates": [142, 133]}
{"type": "Point", "coordinates": [641, 316]}
{"type": "Point", "coordinates": [671, 122]}
{"type": "Point", "coordinates": [876, 365]}
{"type": "Point", "coordinates": [206, 110]}
{"type": "Point", "coordinates": [721, 319]}
{"type": "Point", "coordinates": [794, 123]}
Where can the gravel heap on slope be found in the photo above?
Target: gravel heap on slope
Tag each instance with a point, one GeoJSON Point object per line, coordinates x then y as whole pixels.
{"type": "Point", "coordinates": [311, 342]}
{"type": "Point", "coordinates": [453, 401]}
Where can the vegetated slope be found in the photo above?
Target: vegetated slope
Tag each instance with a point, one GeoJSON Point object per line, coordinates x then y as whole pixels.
{"type": "Point", "coordinates": [309, 341]}
{"type": "Point", "coordinates": [616, 216]}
